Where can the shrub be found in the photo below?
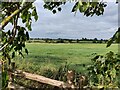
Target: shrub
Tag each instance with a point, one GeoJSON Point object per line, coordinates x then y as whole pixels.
{"type": "Point", "coordinates": [105, 70]}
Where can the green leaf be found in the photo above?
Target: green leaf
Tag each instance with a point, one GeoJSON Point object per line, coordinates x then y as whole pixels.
{"type": "Point", "coordinates": [13, 54]}
{"type": "Point", "coordinates": [113, 73]}
{"type": "Point", "coordinates": [27, 35]}
{"type": "Point", "coordinates": [85, 6]}
{"type": "Point", "coordinates": [36, 17]}
{"type": "Point", "coordinates": [94, 4]}
{"type": "Point", "coordinates": [59, 9]}
{"type": "Point", "coordinates": [20, 53]}
{"type": "Point", "coordinates": [9, 59]}
{"type": "Point", "coordinates": [9, 33]}
{"type": "Point", "coordinates": [19, 47]}
{"type": "Point", "coordinates": [26, 51]}
{"type": "Point", "coordinates": [75, 7]}
{"type": "Point", "coordinates": [117, 37]}
{"type": "Point", "coordinates": [4, 79]}
{"type": "Point", "coordinates": [33, 12]}
{"type": "Point", "coordinates": [28, 16]}
{"type": "Point", "coordinates": [23, 44]}
{"type": "Point", "coordinates": [22, 28]}
{"type": "Point", "coordinates": [54, 11]}
{"type": "Point", "coordinates": [109, 42]}
{"type": "Point", "coordinates": [29, 27]}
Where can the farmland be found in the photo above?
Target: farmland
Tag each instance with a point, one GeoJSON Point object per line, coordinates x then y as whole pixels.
{"type": "Point", "coordinates": [49, 56]}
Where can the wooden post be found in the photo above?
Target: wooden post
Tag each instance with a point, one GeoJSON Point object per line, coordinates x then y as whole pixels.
{"type": "Point", "coordinates": [13, 66]}
{"type": "Point", "coordinates": [70, 78]}
{"type": "Point", "coordinates": [0, 66]}
{"type": "Point", "coordinates": [0, 74]}
{"type": "Point", "coordinates": [13, 70]}
{"type": "Point", "coordinates": [11, 76]}
{"type": "Point", "coordinates": [83, 81]}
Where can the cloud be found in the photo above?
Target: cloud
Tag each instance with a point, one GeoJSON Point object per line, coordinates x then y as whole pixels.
{"type": "Point", "coordinates": [66, 24]}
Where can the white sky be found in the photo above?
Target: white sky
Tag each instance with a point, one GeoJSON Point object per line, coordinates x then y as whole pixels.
{"type": "Point", "coordinates": [65, 24]}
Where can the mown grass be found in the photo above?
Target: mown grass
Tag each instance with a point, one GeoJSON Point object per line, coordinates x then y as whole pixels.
{"type": "Point", "coordinates": [48, 56]}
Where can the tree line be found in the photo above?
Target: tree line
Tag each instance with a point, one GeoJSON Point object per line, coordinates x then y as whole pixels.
{"type": "Point", "coordinates": [61, 40]}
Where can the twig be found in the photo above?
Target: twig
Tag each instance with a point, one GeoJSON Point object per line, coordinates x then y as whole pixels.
{"type": "Point", "coordinates": [3, 47]}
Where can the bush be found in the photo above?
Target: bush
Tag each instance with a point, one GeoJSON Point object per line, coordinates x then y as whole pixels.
{"type": "Point", "coordinates": [105, 70]}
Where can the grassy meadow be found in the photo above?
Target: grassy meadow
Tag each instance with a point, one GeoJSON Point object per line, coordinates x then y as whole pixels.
{"type": "Point", "coordinates": [49, 56]}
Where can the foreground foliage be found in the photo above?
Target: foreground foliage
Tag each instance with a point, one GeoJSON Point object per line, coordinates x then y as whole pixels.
{"type": "Point", "coordinates": [105, 70]}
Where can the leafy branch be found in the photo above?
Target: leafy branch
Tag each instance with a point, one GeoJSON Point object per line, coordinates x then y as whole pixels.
{"type": "Point", "coordinates": [7, 19]}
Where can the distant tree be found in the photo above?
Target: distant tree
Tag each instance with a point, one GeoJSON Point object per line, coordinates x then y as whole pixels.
{"type": "Point", "coordinates": [82, 39]}
{"type": "Point", "coordinates": [95, 40]}
{"type": "Point", "coordinates": [46, 40]}
{"type": "Point", "coordinates": [85, 39]}
{"type": "Point", "coordinates": [77, 40]}
{"type": "Point", "coordinates": [101, 40]}
{"type": "Point", "coordinates": [105, 41]}
{"type": "Point", "coordinates": [60, 40]}
{"type": "Point", "coordinates": [70, 40]}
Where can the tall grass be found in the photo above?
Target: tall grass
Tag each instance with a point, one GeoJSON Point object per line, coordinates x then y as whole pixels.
{"type": "Point", "coordinates": [44, 56]}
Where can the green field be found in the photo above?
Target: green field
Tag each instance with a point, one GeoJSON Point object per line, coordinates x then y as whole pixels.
{"type": "Point", "coordinates": [45, 56]}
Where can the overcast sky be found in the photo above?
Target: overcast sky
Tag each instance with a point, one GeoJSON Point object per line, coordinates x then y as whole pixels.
{"type": "Point", "coordinates": [66, 24]}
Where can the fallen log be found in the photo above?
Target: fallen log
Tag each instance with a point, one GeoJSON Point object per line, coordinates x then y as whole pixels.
{"type": "Point", "coordinates": [41, 79]}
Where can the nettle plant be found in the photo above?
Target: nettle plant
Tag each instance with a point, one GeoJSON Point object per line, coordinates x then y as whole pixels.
{"type": "Point", "coordinates": [105, 70]}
